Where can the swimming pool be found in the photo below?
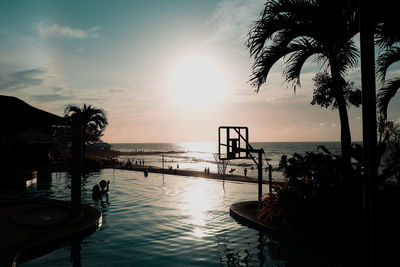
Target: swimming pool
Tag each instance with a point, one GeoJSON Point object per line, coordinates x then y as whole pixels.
{"type": "Point", "coordinates": [170, 221]}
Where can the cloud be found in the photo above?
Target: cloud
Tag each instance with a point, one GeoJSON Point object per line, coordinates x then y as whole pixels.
{"type": "Point", "coordinates": [55, 30]}
{"type": "Point", "coordinates": [21, 79]}
{"type": "Point", "coordinates": [49, 97]}
{"type": "Point", "coordinates": [232, 19]}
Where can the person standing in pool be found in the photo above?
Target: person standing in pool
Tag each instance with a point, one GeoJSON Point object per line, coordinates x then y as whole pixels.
{"type": "Point", "coordinates": [104, 186]}
{"type": "Point", "coordinates": [96, 192]}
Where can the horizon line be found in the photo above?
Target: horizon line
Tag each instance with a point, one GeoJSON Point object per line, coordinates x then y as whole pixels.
{"type": "Point", "coordinates": [337, 141]}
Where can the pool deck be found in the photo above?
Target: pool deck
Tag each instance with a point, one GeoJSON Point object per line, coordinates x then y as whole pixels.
{"type": "Point", "coordinates": [184, 172]}
{"type": "Point", "coordinates": [31, 229]}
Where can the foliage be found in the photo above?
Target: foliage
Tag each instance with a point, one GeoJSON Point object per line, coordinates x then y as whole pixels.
{"type": "Point", "coordinates": [387, 37]}
{"type": "Point", "coordinates": [295, 30]}
{"type": "Point", "coordinates": [391, 153]}
{"type": "Point", "coordinates": [94, 121]}
{"type": "Point", "coordinates": [386, 93]}
{"type": "Point", "coordinates": [324, 95]}
{"type": "Point", "coordinates": [317, 194]}
{"type": "Point", "coordinates": [61, 140]}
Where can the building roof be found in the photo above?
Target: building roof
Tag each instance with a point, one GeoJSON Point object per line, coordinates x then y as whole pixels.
{"type": "Point", "coordinates": [16, 113]}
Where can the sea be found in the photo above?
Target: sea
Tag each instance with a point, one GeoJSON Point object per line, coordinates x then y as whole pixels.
{"type": "Point", "coordinates": [204, 155]}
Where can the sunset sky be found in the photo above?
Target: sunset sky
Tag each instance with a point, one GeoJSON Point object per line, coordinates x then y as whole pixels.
{"type": "Point", "coordinates": [165, 71]}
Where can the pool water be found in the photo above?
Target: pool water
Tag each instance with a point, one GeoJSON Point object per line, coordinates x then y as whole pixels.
{"type": "Point", "coordinates": [169, 221]}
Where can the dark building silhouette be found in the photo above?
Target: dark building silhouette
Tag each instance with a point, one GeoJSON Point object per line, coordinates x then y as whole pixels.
{"type": "Point", "coordinates": [26, 135]}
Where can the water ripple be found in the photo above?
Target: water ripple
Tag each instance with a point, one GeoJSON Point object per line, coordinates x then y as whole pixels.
{"type": "Point", "coordinates": [170, 221]}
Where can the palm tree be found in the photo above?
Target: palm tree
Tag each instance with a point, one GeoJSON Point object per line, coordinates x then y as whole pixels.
{"type": "Point", "coordinates": [94, 121]}
{"type": "Point", "coordinates": [295, 30]}
{"type": "Point", "coordinates": [388, 39]}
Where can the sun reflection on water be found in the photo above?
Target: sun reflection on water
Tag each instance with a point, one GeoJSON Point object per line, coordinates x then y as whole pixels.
{"type": "Point", "coordinates": [198, 232]}
{"type": "Point", "coordinates": [198, 201]}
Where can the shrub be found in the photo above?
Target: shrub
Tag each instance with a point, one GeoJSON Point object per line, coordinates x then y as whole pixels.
{"type": "Point", "coordinates": [319, 193]}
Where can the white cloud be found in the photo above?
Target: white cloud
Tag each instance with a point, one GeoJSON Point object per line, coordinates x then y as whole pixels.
{"type": "Point", "coordinates": [56, 30]}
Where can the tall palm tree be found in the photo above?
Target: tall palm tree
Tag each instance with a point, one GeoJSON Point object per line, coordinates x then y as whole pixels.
{"type": "Point", "coordinates": [295, 30]}
{"type": "Point", "coordinates": [94, 121]}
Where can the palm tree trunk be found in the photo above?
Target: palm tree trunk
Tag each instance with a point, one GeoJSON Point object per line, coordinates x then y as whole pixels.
{"type": "Point", "coordinates": [345, 135]}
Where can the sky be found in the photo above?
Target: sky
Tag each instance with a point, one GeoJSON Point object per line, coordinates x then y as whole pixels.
{"type": "Point", "coordinates": [164, 71]}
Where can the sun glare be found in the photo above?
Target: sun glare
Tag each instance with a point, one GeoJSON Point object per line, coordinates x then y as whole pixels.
{"type": "Point", "coordinates": [198, 81]}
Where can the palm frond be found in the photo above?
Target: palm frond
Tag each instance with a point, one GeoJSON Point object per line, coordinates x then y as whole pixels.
{"type": "Point", "coordinates": [94, 120]}
{"type": "Point", "coordinates": [385, 94]}
{"type": "Point", "coordinates": [264, 62]}
{"type": "Point", "coordinates": [304, 48]}
{"type": "Point", "coordinates": [386, 59]}
{"type": "Point", "coordinates": [387, 32]}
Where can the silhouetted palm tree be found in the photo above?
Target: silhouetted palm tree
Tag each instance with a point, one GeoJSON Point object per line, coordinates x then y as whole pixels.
{"type": "Point", "coordinates": [387, 38]}
{"type": "Point", "coordinates": [295, 30]}
{"type": "Point", "coordinates": [94, 121]}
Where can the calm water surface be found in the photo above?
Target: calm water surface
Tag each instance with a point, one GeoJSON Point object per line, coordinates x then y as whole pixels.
{"type": "Point", "coordinates": [170, 221]}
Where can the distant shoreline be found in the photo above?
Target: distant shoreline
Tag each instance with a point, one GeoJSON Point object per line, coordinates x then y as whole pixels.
{"type": "Point", "coordinates": [135, 153]}
{"type": "Point", "coordinates": [163, 143]}
{"type": "Point", "coordinates": [182, 172]}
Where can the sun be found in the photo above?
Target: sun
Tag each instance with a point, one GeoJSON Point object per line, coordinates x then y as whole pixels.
{"type": "Point", "coordinates": [198, 81]}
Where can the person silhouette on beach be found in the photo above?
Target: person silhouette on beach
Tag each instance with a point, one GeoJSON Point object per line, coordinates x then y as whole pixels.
{"type": "Point", "coordinates": [245, 171]}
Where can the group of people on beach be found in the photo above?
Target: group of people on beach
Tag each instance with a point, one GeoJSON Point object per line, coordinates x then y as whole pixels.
{"type": "Point", "coordinates": [207, 170]}
{"type": "Point", "coordinates": [129, 163]}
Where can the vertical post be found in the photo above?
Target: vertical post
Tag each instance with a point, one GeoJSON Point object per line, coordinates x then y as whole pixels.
{"type": "Point", "coordinates": [76, 253]}
{"type": "Point", "coordinates": [260, 168]}
{"type": "Point", "coordinates": [247, 143]}
{"type": "Point", "coordinates": [369, 124]}
{"type": "Point", "coordinates": [270, 177]}
{"type": "Point", "coordinates": [76, 166]}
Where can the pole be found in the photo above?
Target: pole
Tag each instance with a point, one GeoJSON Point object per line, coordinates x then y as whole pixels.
{"type": "Point", "coordinates": [76, 166]}
{"type": "Point", "coordinates": [270, 177]}
{"type": "Point", "coordinates": [260, 152]}
{"type": "Point", "coordinates": [369, 125]}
